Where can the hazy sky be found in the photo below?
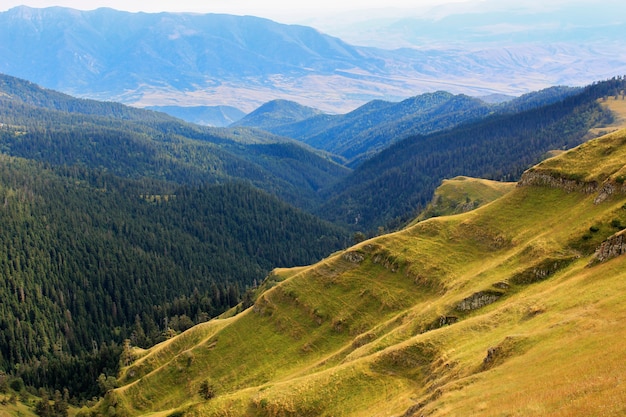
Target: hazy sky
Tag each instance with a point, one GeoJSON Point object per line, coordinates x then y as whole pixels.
{"type": "Point", "coordinates": [303, 10]}
{"type": "Point", "coordinates": [273, 9]}
{"type": "Point", "coordinates": [329, 15]}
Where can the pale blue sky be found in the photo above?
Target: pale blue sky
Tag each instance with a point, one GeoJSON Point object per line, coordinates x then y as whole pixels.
{"type": "Point", "coordinates": [333, 16]}
{"type": "Point", "coordinates": [252, 7]}
{"type": "Point", "coordinates": [280, 10]}
{"type": "Point", "coordinates": [303, 10]}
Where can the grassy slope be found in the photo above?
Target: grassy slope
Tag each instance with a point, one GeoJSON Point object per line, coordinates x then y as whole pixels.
{"type": "Point", "coordinates": [24, 405]}
{"type": "Point", "coordinates": [461, 194]}
{"type": "Point", "coordinates": [383, 329]}
{"type": "Point", "coordinates": [19, 408]}
{"type": "Point", "coordinates": [618, 106]}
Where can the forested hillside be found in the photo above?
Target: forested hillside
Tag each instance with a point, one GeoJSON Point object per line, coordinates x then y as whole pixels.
{"type": "Point", "coordinates": [393, 186]}
{"type": "Point", "coordinates": [367, 130]}
{"type": "Point", "coordinates": [89, 259]}
{"type": "Point", "coordinates": [277, 113]}
{"type": "Point", "coordinates": [139, 144]}
{"type": "Point", "coordinates": [49, 126]}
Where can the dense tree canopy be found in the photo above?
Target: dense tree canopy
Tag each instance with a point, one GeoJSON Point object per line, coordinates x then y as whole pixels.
{"type": "Point", "coordinates": [88, 258]}
{"type": "Point", "coordinates": [393, 186]}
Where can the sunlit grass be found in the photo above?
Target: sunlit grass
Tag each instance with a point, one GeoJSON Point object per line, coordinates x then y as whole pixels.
{"type": "Point", "coordinates": [575, 362]}
{"type": "Point", "coordinates": [461, 194]}
{"type": "Point", "coordinates": [618, 107]}
{"type": "Point", "coordinates": [377, 329]}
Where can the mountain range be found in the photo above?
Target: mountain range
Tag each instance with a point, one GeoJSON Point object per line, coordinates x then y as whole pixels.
{"type": "Point", "coordinates": [133, 142]}
{"type": "Point", "coordinates": [365, 131]}
{"type": "Point", "coordinates": [383, 191]}
{"type": "Point", "coordinates": [515, 308]}
{"type": "Point", "coordinates": [153, 59]}
{"type": "Point", "coordinates": [152, 265]}
{"type": "Point", "coordinates": [188, 60]}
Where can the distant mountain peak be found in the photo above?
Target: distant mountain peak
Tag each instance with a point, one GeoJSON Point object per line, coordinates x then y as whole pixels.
{"type": "Point", "coordinates": [278, 112]}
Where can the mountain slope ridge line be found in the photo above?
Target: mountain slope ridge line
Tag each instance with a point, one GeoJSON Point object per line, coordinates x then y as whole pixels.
{"type": "Point", "coordinates": [383, 300]}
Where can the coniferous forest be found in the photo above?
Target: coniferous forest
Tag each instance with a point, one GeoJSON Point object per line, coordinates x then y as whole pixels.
{"type": "Point", "coordinates": [392, 187]}
{"type": "Point", "coordinates": [90, 259]}
{"type": "Point", "coordinates": [122, 227]}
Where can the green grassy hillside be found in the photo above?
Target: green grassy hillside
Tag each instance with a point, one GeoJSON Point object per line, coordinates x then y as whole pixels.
{"type": "Point", "coordinates": [515, 308]}
{"type": "Point", "coordinates": [461, 194]}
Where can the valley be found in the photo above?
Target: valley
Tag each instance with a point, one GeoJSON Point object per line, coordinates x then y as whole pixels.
{"type": "Point", "coordinates": [147, 229]}
{"type": "Point", "coordinates": [222, 215]}
{"type": "Point", "coordinates": [468, 313]}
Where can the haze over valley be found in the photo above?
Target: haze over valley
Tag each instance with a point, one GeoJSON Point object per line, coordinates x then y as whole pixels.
{"type": "Point", "coordinates": [165, 59]}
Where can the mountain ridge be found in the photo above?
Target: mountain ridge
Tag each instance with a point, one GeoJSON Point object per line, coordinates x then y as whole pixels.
{"type": "Point", "coordinates": [109, 60]}
{"type": "Point", "coordinates": [377, 194]}
{"type": "Point", "coordinates": [277, 112]}
{"type": "Point", "coordinates": [427, 319]}
{"type": "Point", "coordinates": [149, 59]}
{"type": "Point", "coordinates": [61, 129]}
{"type": "Point", "coordinates": [365, 131]}
{"type": "Point", "coordinates": [405, 173]}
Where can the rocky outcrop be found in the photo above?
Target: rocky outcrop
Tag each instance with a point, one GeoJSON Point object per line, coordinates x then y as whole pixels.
{"type": "Point", "coordinates": [387, 260]}
{"type": "Point", "coordinates": [608, 189]}
{"type": "Point", "coordinates": [541, 271]}
{"type": "Point", "coordinates": [611, 248]}
{"type": "Point", "coordinates": [545, 179]}
{"type": "Point", "coordinates": [478, 300]}
{"type": "Point", "coordinates": [493, 353]}
{"type": "Point", "coordinates": [353, 257]}
{"type": "Point", "coordinates": [496, 355]}
{"type": "Point", "coordinates": [554, 180]}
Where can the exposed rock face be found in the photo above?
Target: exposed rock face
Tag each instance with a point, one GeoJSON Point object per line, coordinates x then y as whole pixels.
{"type": "Point", "coordinates": [496, 355]}
{"type": "Point", "coordinates": [447, 320]}
{"type": "Point", "coordinates": [492, 354]}
{"type": "Point", "coordinates": [387, 261]}
{"type": "Point", "coordinates": [608, 189]}
{"type": "Point", "coordinates": [540, 271]}
{"type": "Point", "coordinates": [546, 180]}
{"type": "Point", "coordinates": [478, 300]}
{"type": "Point", "coordinates": [604, 191]}
{"type": "Point", "coordinates": [354, 257]}
{"type": "Point", "coordinates": [469, 206]}
{"type": "Point", "coordinates": [612, 247]}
